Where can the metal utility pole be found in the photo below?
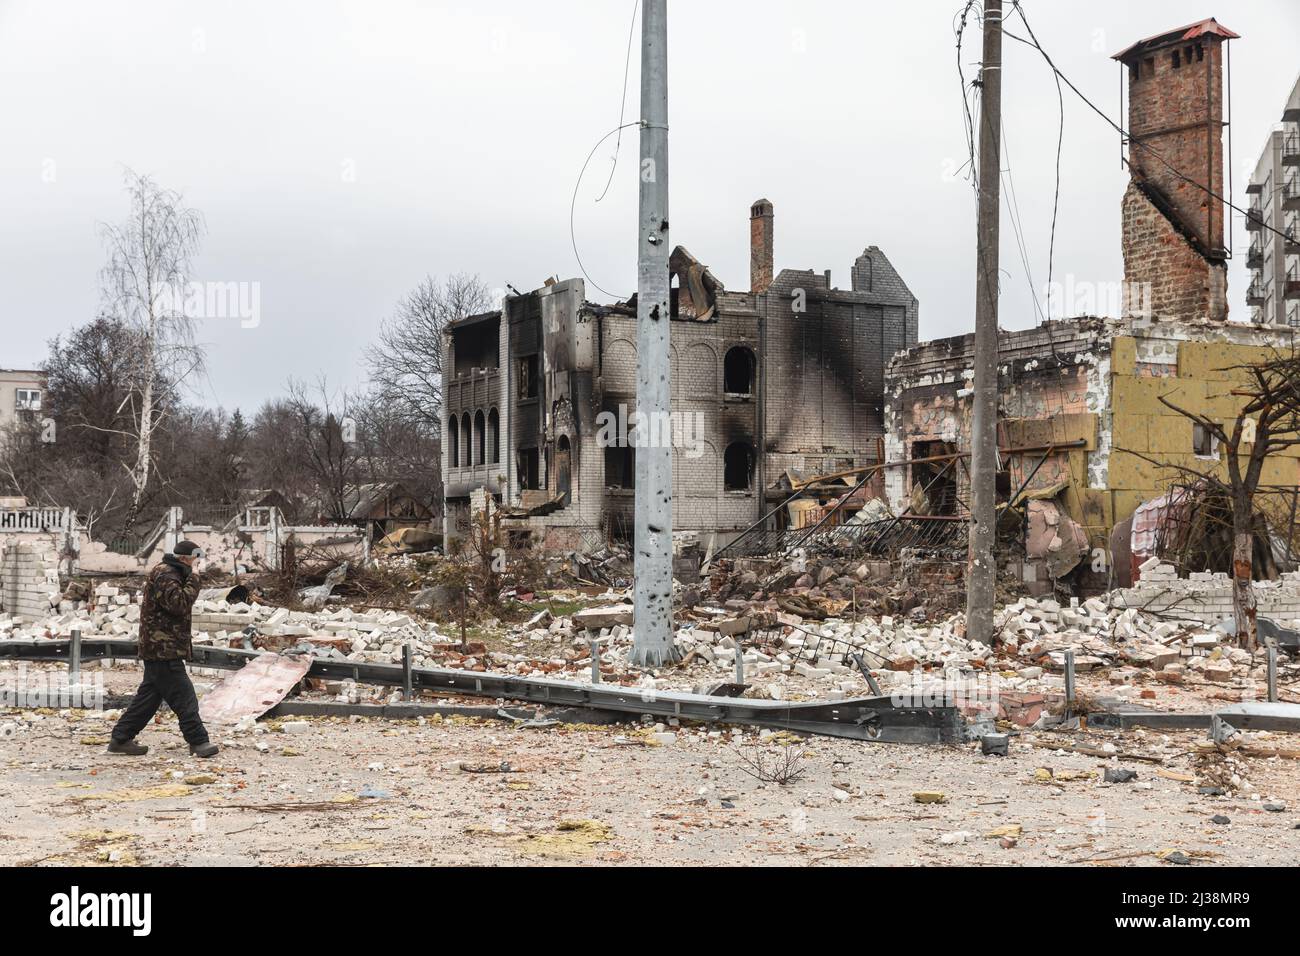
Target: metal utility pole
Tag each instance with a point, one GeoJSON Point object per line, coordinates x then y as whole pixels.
{"type": "Point", "coordinates": [653, 562]}
{"type": "Point", "coordinates": [981, 571]}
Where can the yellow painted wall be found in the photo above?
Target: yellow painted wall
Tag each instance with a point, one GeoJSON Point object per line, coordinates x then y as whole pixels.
{"type": "Point", "coordinates": [1141, 423]}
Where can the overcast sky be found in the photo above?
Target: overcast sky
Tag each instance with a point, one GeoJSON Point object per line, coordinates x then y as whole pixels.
{"type": "Point", "coordinates": [339, 151]}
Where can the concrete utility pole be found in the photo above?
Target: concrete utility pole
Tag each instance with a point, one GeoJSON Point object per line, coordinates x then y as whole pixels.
{"type": "Point", "coordinates": [653, 562]}
{"type": "Point", "coordinates": [981, 570]}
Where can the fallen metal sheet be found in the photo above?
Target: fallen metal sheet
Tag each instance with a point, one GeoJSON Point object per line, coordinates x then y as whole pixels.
{"type": "Point", "coordinates": [877, 719]}
{"type": "Point", "coordinates": [254, 689]}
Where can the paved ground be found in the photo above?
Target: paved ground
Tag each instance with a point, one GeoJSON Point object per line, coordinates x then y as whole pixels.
{"type": "Point", "coordinates": [608, 795]}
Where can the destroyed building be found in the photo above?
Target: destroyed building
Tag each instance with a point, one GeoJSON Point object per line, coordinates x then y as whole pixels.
{"type": "Point", "coordinates": [1083, 434]}
{"type": "Point", "coordinates": [1081, 427]}
{"type": "Point", "coordinates": [785, 378]}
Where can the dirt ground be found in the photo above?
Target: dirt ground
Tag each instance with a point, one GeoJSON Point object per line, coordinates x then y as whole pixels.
{"type": "Point", "coordinates": [359, 791]}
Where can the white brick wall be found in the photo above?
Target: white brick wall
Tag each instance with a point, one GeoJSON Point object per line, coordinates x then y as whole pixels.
{"type": "Point", "coordinates": [29, 580]}
{"type": "Point", "coordinates": [1207, 597]}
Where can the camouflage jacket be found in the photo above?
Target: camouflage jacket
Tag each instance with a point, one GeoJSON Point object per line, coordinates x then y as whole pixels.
{"type": "Point", "coordinates": [169, 594]}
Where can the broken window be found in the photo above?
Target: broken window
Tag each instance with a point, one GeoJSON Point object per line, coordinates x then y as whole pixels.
{"type": "Point", "coordinates": [529, 380]}
{"type": "Point", "coordinates": [563, 467]}
{"type": "Point", "coordinates": [934, 478]}
{"type": "Point", "coordinates": [494, 436]}
{"type": "Point", "coordinates": [453, 441]}
{"type": "Point", "coordinates": [530, 473]}
{"type": "Point", "coordinates": [620, 466]}
{"type": "Point", "coordinates": [1203, 442]}
{"type": "Point", "coordinates": [738, 466]}
{"type": "Point", "coordinates": [480, 438]}
{"type": "Point", "coordinates": [738, 371]}
{"type": "Point", "coordinates": [476, 346]}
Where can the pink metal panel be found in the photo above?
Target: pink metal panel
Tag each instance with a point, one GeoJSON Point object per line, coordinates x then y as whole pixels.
{"type": "Point", "coordinates": [254, 689]}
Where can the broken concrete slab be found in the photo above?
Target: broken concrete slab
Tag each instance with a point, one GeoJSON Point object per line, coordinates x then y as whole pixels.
{"type": "Point", "coordinates": [595, 618]}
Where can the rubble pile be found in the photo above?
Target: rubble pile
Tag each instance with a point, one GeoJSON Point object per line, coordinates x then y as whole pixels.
{"type": "Point", "coordinates": [927, 588]}
{"type": "Point", "coordinates": [784, 654]}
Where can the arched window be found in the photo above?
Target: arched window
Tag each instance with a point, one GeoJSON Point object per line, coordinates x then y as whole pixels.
{"type": "Point", "coordinates": [738, 466]}
{"type": "Point", "coordinates": [738, 371]}
{"type": "Point", "coordinates": [564, 468]}
{"type": "Point", "coordinates": [494, 436]}
{"type": "Point", "coordinates": [480, 439]}
{"type": "Point", "coordinates": [467, 442]}
{"type": "Point", "coordinates": [453, 441]}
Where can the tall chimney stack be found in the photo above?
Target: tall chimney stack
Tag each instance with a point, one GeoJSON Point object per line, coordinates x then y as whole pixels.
{"type": "Point", "coordinates": [1173, 220]}
{"type": "Point", "coordinates": [760, 246]}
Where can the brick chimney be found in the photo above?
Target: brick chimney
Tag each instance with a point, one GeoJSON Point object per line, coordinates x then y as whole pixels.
{"type": "Point", "coordinates": [1173, 229]}
{"type": "Point", "coordinates": [760, 246]}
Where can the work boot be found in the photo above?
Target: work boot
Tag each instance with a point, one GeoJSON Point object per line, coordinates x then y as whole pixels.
{"type": "Point", "coordinates": [127, 747]}
{"type": "Point", "coordinates": [204, 750]}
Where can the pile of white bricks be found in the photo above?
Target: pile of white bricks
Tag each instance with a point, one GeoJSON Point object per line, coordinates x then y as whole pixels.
{"type": "Point", "coordinates": [1205, 596]}
{"type": "Point", "coordinates": [29, 581]}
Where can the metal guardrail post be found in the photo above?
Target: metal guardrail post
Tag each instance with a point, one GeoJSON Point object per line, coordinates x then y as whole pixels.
{"type": "Point", "coordinates": [1069, 683]}
{"type": "Point", "coordinates": [593, 645]}
{"type": "Point", "coordinates": [740, 662]}
{"type": "Point", "coordinates": [407, 688]}
{"type": "Point", "coordinates": [1272, 672]}
{"type": "Point", "coordinates": [74, 657]}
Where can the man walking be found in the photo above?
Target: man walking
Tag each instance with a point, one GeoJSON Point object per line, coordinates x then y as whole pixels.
{"type": "Point", "coordinates": [169, 595]}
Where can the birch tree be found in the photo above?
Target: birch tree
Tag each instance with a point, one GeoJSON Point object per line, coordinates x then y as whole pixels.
{"type": "Point", "coordinates": [144, 286]}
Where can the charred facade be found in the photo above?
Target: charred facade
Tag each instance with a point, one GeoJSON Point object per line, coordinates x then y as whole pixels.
{"type": "Point", "coordinates": [786, 378]}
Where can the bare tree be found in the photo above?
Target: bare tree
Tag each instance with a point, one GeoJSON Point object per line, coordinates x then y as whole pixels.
{"type": "Point", "coordinates": [144, 287]}
{"type": "Point", "coordinates": [405, 364]}
{"type": "Point", "coordinates": [1268, 422]}
{"type": "Point", "coordinates": [330, 455]}
{"type": "Point", "coordinates": [397, 449]}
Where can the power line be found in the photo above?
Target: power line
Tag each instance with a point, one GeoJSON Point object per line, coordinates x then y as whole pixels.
{"type": "Point", "coordinates": [622, 103]}
{"type": "Point", "coordinates": [959, 27]}
{"type": "Point", "coordinates": [573, 203]}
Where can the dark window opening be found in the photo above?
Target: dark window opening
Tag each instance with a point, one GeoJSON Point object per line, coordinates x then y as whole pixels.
{"type": "Point", "coordinates": [738, 466]}
{"type": "Point", "coordinates": [480, 439]}
{"type": "Point", "coordinates": [1133, 71]}
{"type": "Point", "coordinates": [453, 441]}
{"type": "Point", "coordinates": [620, 466]}
{"type": "Point", "coordinates": [476, 346]}
{"type": "Point", "coordinates": [934, 483]}
{"type": "Point", "coordinates": [1176, 59]}
{"type": "Point", "coordinates": [529, 380]}
{"type": "Point", "coordinates": [467, 441]}
{"type": "Point", "coordinates": [738, 371]}
{"type": "Point", "coordinates": [1202, 441]}
{"type": "Point", "coordinates": [1200, 53]}
{"type": "Point", "coordinates": [530, 473]}
{"type": "Point", "coordinates": [1150, 63]}
{"type": "Point", "coordinates": [564, 468]}
{"type": "Point", "coordinates": [494, 436]}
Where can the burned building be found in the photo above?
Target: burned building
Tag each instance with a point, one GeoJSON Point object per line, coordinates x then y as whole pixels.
{"type": "Point", "coordinates": [1084, 429]}
{"type": "Point", "coordinates": [787, 377]}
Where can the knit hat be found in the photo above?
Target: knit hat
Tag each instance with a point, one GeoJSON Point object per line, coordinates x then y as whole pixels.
{"type": "Point", "coordinates": [187, 548]}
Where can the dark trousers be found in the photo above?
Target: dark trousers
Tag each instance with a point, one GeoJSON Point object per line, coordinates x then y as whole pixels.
{"type": "Point", "coordinates": [163, 681]}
